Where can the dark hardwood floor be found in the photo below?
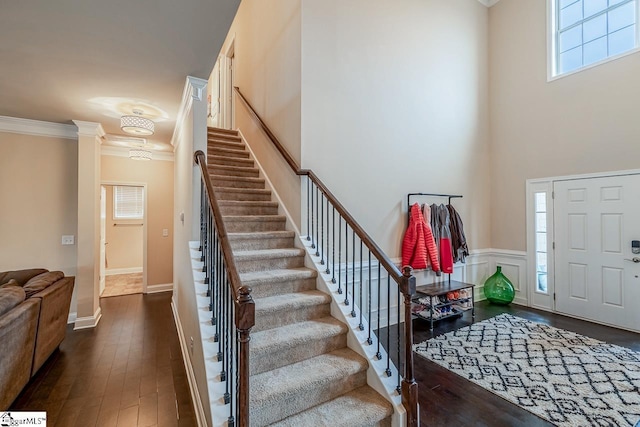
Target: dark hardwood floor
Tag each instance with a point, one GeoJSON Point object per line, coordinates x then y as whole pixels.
{"type": "Point", "coordinates": [126, 372]}
{"type": "Point", "coordinates": [447, 399]}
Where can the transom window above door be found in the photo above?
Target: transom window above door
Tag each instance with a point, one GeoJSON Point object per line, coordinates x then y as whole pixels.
{"type": "Point", "coordinates": [588, 32]}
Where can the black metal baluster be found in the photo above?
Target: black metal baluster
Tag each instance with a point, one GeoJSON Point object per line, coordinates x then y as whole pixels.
{"type": "Point", "coordinates": [400, 335]}
{"type": "Point", "coordinates": [333, 245]}
{"type": "Point", "coordinates": [227, 330]}
{"type": "Point", "coordinates": [202, 206]}
{"type": "Point", "coordinates": [339, 255]}
{"type": "Point", "coordinates": [321, 240]}
{"type": "Point", "coordinates": [327, 271]}
{"type": "Point", "coordinates": [353, 273]}
{"type": "Point", "coordinates": [313, 243]}
{"type": "Point", "coordinates": [369, 340]}
{"type": "Point", "coordinates": [378, 354]}
{"type": "Point", "coordinates": [308, 212]}
{"type": "Point", "coordinates": [388, 370]}
{"type": "Point", "coordinates": [231, 419]}
{"type": "Point", "coordinates": [346, 263]}
{"type": "Point", "coordinates": [361, 325]}
{"type": "Point", "coordinates": [317, 225]}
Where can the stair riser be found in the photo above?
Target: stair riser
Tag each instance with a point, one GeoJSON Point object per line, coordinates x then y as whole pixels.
{"type": "Point", "coordinates": [253, 226]}
{"type": "Point", "coordinates": [258, 244]}
{"type": "Point", "coordinates": [229, 161]}
{"type": "Point", "coordinates": [269, 289]}
{"type": "Point", "coordinates": [233, 183]}
{"type": "Point", "coordinates": [217, 151]}
{"type": "Point", "coordinates": [246, 197]}
{"type": "Point", "coordinates": [249, 210]}
{"type": "Point", "coordinates": [275, 319]}
{"type": "Point", "coordinates": [277, 411]}
{"type": "Point", "coordinates": [244, 172]}
{"type": "Point", "coordinates": [269, 264]}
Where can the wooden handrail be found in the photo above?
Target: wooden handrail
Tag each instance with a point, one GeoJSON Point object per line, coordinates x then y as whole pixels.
{"type": "Point", "coordinates": [245, 313]}
{"type": "Point", "coordinates": [406, 282]}
{"type": "Point", "coordinates": [388, 265]}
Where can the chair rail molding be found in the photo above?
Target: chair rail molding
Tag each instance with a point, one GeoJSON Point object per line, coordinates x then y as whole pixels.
{"type": "Point", "coordinates": [37, 128]}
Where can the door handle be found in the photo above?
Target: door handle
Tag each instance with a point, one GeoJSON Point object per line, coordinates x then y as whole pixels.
{"type": "Point", "coordinates": [634, 259]}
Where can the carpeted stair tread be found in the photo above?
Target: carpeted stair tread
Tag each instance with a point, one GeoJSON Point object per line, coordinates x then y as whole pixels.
{"type": "Point", "coordinates": [230, 193]}
{"type": "Point", "coordinates": [251, 223]}
{"type": "Point", "coordinates": [290, 308]}
{"type": "Point", "coordinates": [268, 254]}
{"type": "Point", "coordinates": [256, 240]}
{"type": "Point", "coordinates": [233, 171]}
{"type": "Point", "coordinates": [223, 160]}
{"type": "Point", "coordinates": [213, 142]}
{"type": "Point", "coordinates": [222, 130]}
{"type": "Point", "coordinates": [278, 275]}
{"type": "Point", "coordinates": [251, 218]}
{"type": "Point", "coordinates": [293, 388]}
{"type": "Point", "coordinates": [274, 348]}
{"type": "Point", "coordinates": [237, 181]}
{"type": "Point", "coordinates": [228, 152]}
{"type": "Point", "coordinates": [247, 207]}
{"type": "Point", "coordinates": [362, 407]}
{"type": "Point", "coordinates": [291, 301]}
{"type": "Point", "coordinates": [261, 235]}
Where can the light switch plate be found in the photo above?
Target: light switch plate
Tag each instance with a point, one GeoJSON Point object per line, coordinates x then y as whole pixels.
{"type": "Point", "coordinates": [68, 240]}
{"type": "Point", "coordinates": [165, 232]}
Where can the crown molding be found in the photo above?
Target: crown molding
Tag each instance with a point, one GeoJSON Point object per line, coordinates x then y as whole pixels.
{"type": "Point", "coordinates": [488, 3]}
{"type": "Point", "coordinates": [89, 129]}
{"type": "Point", "coordinates": [109, 150]}
{"type": "Point", "coordinates": [37, 128]}
{"type": "Point", "coordinates": [193, 91]}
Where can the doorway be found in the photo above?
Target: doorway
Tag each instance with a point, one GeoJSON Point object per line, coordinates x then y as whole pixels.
{"type": "Point", "coordinates": [583, 244]}
{"type": "Point", "coordinates": [123, 239]}
{"type": "Point", "coordinates": [226, 75]}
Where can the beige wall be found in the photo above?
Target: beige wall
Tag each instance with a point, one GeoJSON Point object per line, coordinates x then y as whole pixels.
{"type": "Point", "coordinates": [40, 203]}
{"type": "Point", "coordinates": [583, 123]}
{"type": "Point", "coordinates": [395, 100]}
{"type": "Point", "coordinates": [266, 37]}
{"type": "Point", "coordinates": [124, 241]}
{"type": "Point", "coordinates": [158, 177]}
{"type": "Point", "coordinates": [38, 187]}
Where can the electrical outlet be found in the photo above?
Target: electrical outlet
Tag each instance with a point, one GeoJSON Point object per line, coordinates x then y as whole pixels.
{"type": "Point", "coordinates": [191, 345]}
{"type": "Point", "coordinates": [165, 232]}
{"type": "Point", "coordinates": [68, 240]}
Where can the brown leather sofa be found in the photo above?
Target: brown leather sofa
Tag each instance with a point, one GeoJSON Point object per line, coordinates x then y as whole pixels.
{"type": "Point", "coordinates": [34, 307]}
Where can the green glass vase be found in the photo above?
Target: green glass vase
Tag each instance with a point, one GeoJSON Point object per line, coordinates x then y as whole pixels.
{"type": "Point", "coordinates": [498, 289]}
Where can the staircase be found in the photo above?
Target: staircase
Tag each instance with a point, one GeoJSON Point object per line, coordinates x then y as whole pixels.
{"type": "Point", "coordinates": [302, 373]}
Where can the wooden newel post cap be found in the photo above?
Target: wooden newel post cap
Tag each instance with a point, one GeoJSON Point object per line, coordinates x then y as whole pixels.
{"type": "Point", "coordinates": [406, 271]}
{"type": "Point", "coordinates": [244, 294]}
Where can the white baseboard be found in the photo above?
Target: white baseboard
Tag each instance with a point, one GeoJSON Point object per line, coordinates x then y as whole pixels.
{"type": "Point", "coordinates": [130, 270]}
{"type": "Point", "coordinates": [154, 289]}
{"type": "Point", "coordinates": [88, 321]}
{"type": "Point", "coordinates": [191, 376]}
{"type": "Point", "coordinates": [72, 318]}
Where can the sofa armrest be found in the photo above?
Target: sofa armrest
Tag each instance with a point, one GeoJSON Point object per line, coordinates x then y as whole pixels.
{"type": "Point", "coordinates": [18, 337]}
{"type": "Point", "coordinates": [52, 326]}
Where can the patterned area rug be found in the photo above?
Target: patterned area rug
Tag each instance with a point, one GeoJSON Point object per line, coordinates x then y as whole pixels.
{"type": "Point", "coordinates": [565, 378]}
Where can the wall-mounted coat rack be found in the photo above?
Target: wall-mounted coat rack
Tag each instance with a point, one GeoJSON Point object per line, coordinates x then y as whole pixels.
{"type": "Point", "coordinates": [410, 195]}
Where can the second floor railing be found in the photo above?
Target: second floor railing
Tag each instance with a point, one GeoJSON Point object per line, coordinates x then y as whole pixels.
{"type": "Point", "coordinates": [354, 262]}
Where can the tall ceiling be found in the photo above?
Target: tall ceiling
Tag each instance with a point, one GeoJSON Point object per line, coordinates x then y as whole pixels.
{"type": "Point", "coordinates": [95, 60]}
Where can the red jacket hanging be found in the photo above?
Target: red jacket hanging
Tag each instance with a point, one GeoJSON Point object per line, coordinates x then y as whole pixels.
{"type": "Point", "coordinates": [418, 245]}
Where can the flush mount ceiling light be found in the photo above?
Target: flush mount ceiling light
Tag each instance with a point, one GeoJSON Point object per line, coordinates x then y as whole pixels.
{"type": "Point", "coordinates": [138, 154]}
{"type": "Point", "coordinates": [136, 124]}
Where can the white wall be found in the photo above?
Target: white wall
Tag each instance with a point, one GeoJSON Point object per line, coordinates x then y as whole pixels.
{"type": "Point", "coordinates": [190, 135]}
{"type": "Point", "coordinates": [395, 100]}
{"type": "Point", "coordinates": [266, 39]}
{"type": "Point", "coordinates": [582, 123]}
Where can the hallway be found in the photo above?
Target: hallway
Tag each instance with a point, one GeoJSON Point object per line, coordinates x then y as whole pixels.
{"type": "Point", "coordinates": [126, 372]}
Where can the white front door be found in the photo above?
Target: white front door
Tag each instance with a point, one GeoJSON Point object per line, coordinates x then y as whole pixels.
{"type": "Point", "coordinates": [595, 220]}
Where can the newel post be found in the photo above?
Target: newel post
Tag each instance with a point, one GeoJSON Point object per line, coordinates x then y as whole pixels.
{"type": "Point", "coordinates": [245, 320]}
{"type": "Point", "coordinates": [409, 385]}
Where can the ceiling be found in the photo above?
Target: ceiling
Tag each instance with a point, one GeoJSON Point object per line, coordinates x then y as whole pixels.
{"type": "Point", "coordinates": [95, 60]}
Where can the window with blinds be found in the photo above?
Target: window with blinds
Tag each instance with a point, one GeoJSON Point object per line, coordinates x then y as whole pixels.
{"type": "Point", "coordinates": [128, 202]}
